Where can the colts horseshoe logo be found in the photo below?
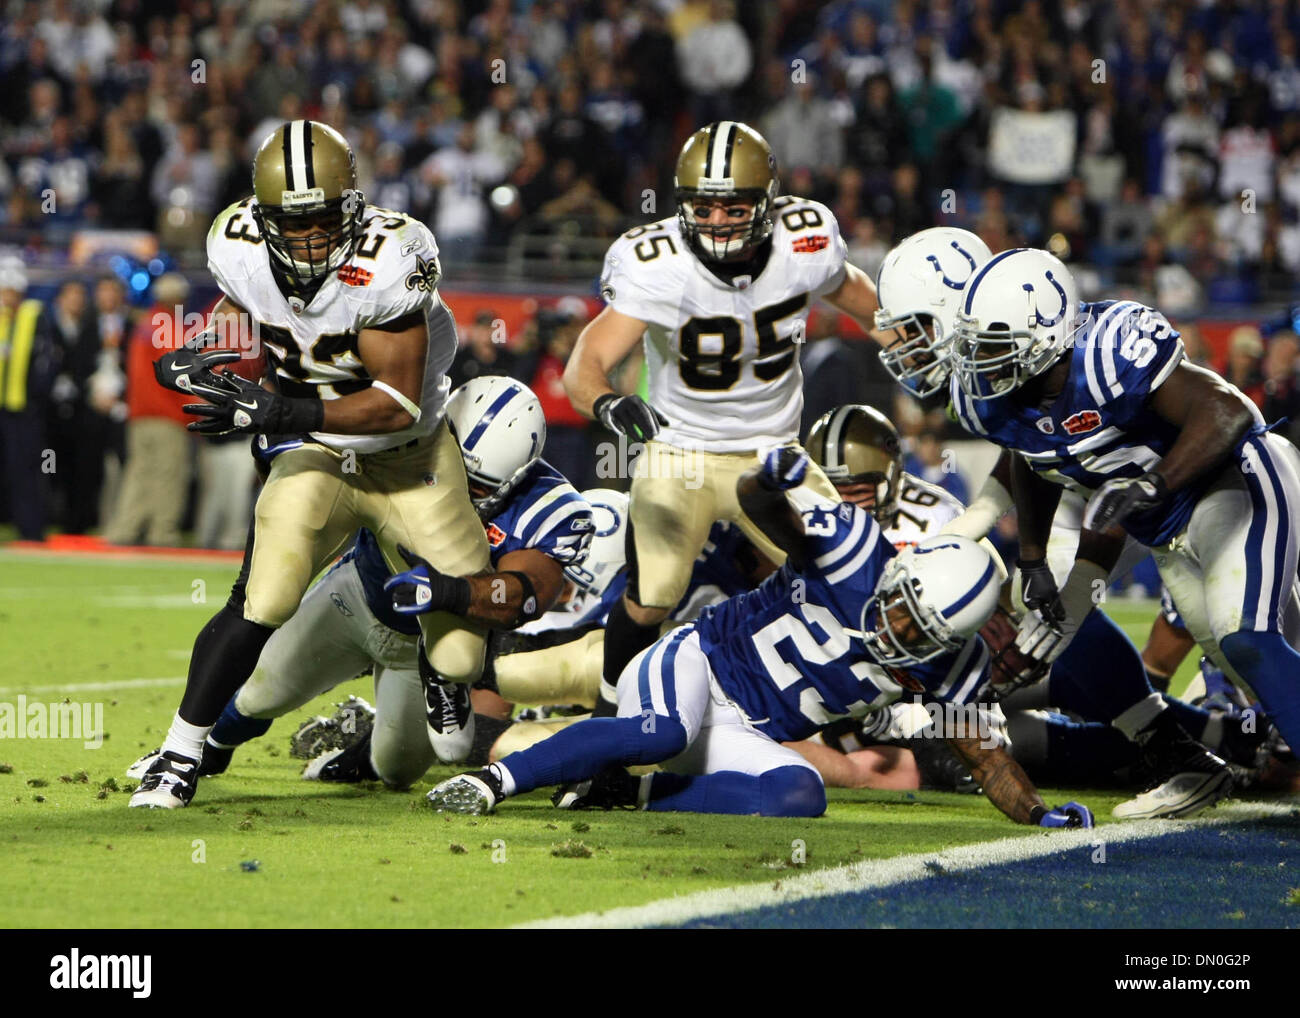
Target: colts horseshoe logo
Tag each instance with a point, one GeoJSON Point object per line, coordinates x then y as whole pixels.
{"type": "Point", "coordinates": [1060, 290]}
{"type": "Point", "coordinates": [952, 283]}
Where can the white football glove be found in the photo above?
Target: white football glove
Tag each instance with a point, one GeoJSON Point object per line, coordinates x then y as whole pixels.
{"type": "Point", "coordinates": [1042, 640]}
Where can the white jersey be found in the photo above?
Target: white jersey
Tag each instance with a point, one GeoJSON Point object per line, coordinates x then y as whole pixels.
{"type": "Point", "coordinates": [722, 357]}
{"type": "Point", "coordinates": [922, 510]}
{"type": "Point", "coordinates": [393, 272]}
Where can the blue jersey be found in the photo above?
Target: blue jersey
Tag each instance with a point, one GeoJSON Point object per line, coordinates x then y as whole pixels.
{"type": "Point", "coordinates": [714, 567]}
{"type": "Point", "coordinates": [544, 512]}
{"type": "Point", "coordinates": [781, 653]}
{"type": "Point", "coordinates": [1101, 426]}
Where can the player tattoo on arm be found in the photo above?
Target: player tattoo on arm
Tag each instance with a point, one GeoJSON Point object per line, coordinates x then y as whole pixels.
{"type": "Point", "coordinates": [773, 514]}
{"type": "Point", "coordinates": [1004, 781]}
{"type": "Point", "coordinates": [1213, 417]}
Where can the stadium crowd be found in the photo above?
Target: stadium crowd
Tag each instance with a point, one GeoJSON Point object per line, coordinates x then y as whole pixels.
{"type": "Point", "coordinates": [1155, 146]}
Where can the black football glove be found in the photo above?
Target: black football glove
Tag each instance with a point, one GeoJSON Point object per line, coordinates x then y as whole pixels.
{"type": "Point", "coordinates": [1118, 499]}
{"type": "Point", "coordinates": [250, 408]}
{"type": "Point", "coordinates": [422, 588]}
{"type": "Point", "coordinates": [1038, 590]}
{"type": "Point", "coordinates": [179, 370]}
{"type": "Point", "coordinates": [629, 415]}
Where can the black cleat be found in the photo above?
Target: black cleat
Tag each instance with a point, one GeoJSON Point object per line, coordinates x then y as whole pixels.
{"type": "Point", "coordinates": [1188, 777]}
{"type": "Point", "coordinates": [346, 766]}
{"type": "Point", "coordinates": [612, 788]}
{"type": "Point", "coordinates": [169, 783]}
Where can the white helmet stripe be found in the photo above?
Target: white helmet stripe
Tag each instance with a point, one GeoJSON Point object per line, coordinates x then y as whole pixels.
{"type": "Point", "coordinates": [296, 170]}
{"type": "Point", "coordinates": [834, 434]}
{"type": "Point", "coordinates": [718, 164]}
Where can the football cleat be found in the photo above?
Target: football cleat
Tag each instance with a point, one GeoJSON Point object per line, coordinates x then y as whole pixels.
{"type": "Point", "coordinates": [451, 720]}
{"type": "Point", "coordinates": [475, 793]}
{"type": "Point", "coordinates": [1191, 777]}
{"type": "Point", "coordinates": [215, 761]}
{"type": "Point", "coordinates": [353, 721]}
{"type": "Point", "coordinates": [612, 788]}
{"type": "Point", "coordinates": [348, 765]}
{"type": "Point", "coordinates": [169, 783]}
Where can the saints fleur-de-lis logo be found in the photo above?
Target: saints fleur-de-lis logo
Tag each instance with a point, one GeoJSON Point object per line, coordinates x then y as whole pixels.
{"type": "Point", "coordinates": [426, 275]}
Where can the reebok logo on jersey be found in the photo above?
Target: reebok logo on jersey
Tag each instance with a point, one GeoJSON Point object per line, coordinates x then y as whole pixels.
{"type": "Point", "coordinates": [495, 535]}
{"type": "Point", "coordinates": [1083, 421]}
{"type": "Point", "coordinates": [814, 243]}
{"type": "Point", "coordinates": [354, 275]}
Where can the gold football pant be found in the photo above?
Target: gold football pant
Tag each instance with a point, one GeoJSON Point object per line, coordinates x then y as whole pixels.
{"type": "Point", "coordinates": [316, 498]}
{"type": "Point", "coordinates": [677, 495]}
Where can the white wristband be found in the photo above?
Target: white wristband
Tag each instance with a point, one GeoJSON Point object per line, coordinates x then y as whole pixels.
{"type": "Point", "coordinates": [982, 515]}
{"type": "Point", "coordinates": [402, 401]}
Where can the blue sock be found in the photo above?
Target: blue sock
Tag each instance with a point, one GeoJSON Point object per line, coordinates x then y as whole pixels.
{"type": "Point", "coordinates": [1272, 668]}
{"type": "Point", "coordinates": [781, 792]}
{"type": "Point", "coordinates": [583, 750]}
{"type": "Point", "coordinates": [1079, 753]}
{"type": "Point", "coordinates": [1100, 675]}
{"type": "Point", "coordinates": [234, 729]}
{"type": "Point", "coordinates": [1193, 719]}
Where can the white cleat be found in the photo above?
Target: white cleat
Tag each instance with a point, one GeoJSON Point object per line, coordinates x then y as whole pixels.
{"type": "Point", "coordinates": [140, 768]}
{"type": "Point", "coordinates": [1183, 795]}
{"type": "Point", "coordinates": [466, 793]}
{"type": "Point", "coordinates": [169, 783]}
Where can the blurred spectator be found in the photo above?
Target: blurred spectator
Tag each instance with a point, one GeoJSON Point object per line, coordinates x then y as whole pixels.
{"type": "Point", "coordinates": [1125, 225]}
{"type": "Point", "coordinates": [803, 133]}
{"type": "Point", "coordinates": [1245, 357]}
{"type": "Point", "coordinates": [1281, 370]}
{"type": "Point", "coordinates": [72, 432]}
{"type": "Point", "coordinates": [27, 366]}
{"type": "Point", "coordinates": [931, 462]}
{"type": "Point", "coordinates": [1191, 147]}
{"type": "Point", "coordinates": [567, 446]}
{"type": "Point", "coordinates": [157, 471]}
{"type": "Point", "coordinates": [715, 59]}
{"type": "Point", "coordinates": [485, 351]}
{"type": "Point", "coordinates": [832, 369]}
{"type": "Point", "coordinates": [112, 324]}
{"type": "Point", "coordinates": [458, 175]}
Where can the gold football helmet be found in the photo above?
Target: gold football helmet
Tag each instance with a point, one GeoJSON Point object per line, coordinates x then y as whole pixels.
{"type": "Point", "coordinates": [727, 161]}
{"type": "Point", "coordinates": [857, 444]}
{"type": "Point", "coordinates": [305, 182]}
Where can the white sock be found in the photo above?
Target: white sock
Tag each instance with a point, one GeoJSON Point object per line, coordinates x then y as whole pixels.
{"type": "Point", "coordinates": [505, 777]}
{"type": "Point", "coordinates": [643, 792]}
{"type": "Point", "coordinates": [185, 738]}
{"type": "Point", "coordinates": [1139, 716]}
{"type": "Point", "coordinates": [1212, 737]}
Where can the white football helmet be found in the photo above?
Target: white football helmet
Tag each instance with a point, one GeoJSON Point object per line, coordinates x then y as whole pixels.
{"type": "Point", "coordinates": [1018, 314]}
{"type": "Point", "coordinates": [919, 287]}
{"type": "Point", "coordinates": [947, 585]}
{"type": "Point", "coordinates": [606, 554]}
{"type": "Point", "coordinates": [502, 431]}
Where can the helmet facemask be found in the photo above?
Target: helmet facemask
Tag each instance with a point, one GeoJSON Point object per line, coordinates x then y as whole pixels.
{"type": "Point", "coordinates": [898, 627]}
{"type": "Point", "coordinates": [918, 358]}
{"type": "Point", "coordinates": [728, 241]}
{"type": "Point", "coordinates": [309, 257]}
{"type": "Point", "coordinates": [498, 490]}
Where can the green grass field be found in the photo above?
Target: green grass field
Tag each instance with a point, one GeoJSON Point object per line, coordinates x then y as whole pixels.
{"type": "Point", "coordinates": [261, 848]}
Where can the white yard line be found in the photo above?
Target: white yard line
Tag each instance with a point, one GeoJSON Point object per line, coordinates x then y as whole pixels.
{"type": "Point", "coordinates": [876, 873]}
{"type": "Point", "coordinates": [77, 687]}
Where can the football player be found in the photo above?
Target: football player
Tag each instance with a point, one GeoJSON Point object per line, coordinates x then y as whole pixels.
{"type": "Point", "coordinates": [719, 293]}
{"type": "Point", "coordinates": [921, 287]}
{"type": "Point", "coordinates": [344, 299]}
{"type": "Point", "coordinates": [833, 633]}
{"type": "Point", "coordinates": [359, 617]}
{"type": "Point", "coordinates": [1097, 398]}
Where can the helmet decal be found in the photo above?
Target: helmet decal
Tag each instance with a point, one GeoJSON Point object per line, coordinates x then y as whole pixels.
{"type": "Point", "coordinates": [1065, 303]}
{"type": "Point", "coordinates": [952, 283]}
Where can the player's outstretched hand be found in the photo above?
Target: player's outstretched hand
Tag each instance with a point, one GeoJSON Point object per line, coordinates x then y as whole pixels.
{"type": "Point", "coordinates": [629, 415]}
{"type": "Point", "coordinates": [1118, 499]}
{"type": "Point", "coordinates": [1038, 589]}
{"type": "Point", "coordinates": [179, 370]}
{"type": "Point", "coordinates": [1072, 814]}
{"type": "Point", "coordinates": [783, 468]}
{"type": "Point", "coordinates": [1042, 639]}
{"type": "Point", "coordinates": [422, 588]}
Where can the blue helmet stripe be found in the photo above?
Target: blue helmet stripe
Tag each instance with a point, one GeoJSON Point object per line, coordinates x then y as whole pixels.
{"type": "Point", "coordinates": [970, 287]}
{"type": "Point", "coordinates": [497, 406]}
{"type": "Point", "coordinates": [971, 594]}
